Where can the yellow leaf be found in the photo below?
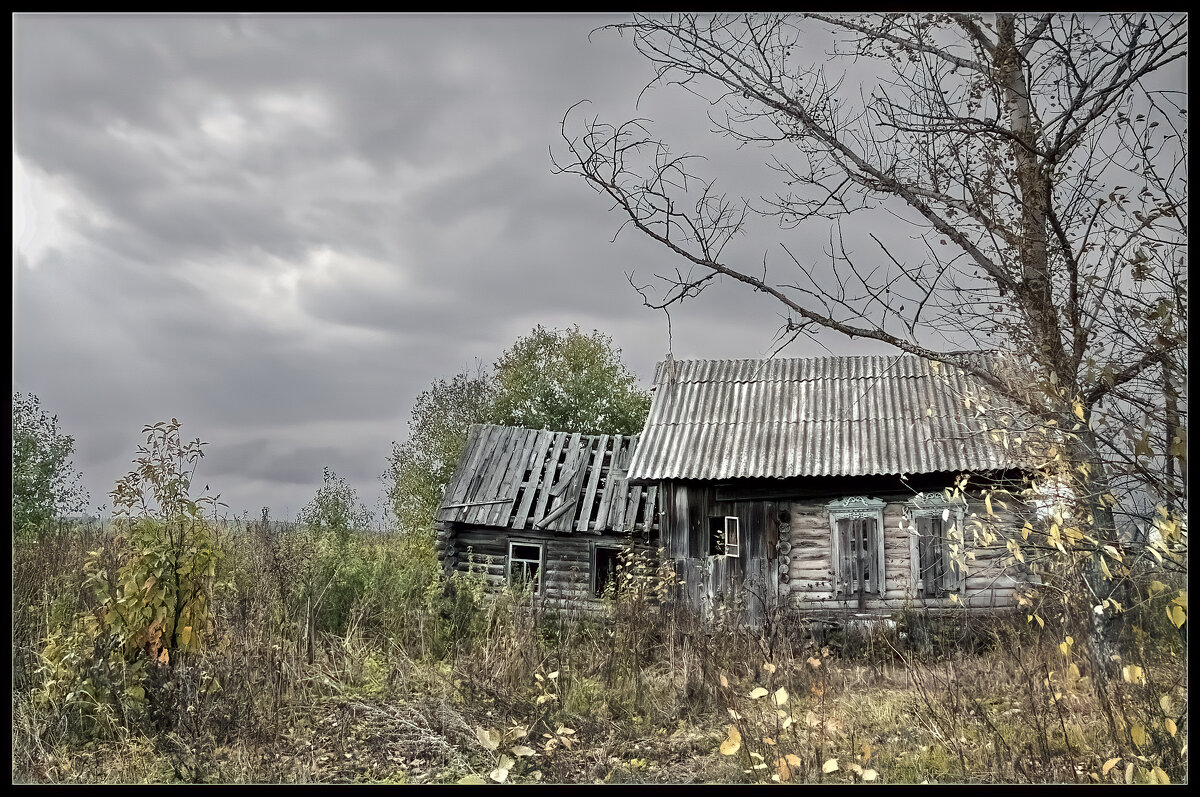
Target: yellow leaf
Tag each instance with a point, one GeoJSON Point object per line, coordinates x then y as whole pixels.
{"type": "Point", "coordinates": [490, 739]}
{"type": "Point", "coordinates": [1160, 777]}
{"type": "Point", "coordinates": [1169, 724]}
{"type": "Point", "coordinates": [724, 681]}
{"type": "Point", "coordinates": [758, 692]}
{"type": "Point", "coordinates": [1177, 615]}
{"type": "Point", "coordinates": [1133, 674]}
{"type": "Point", "coordinates": [869, 775]}
{"type": "Point", "coordinates": [1129, 772]}
{"type": "Point", "coordinates": [781, 696]}
{"type": "Point", "coordinates": [553, 675]}
{"type": "Point", "coordinates": [1041, 622]}
{"type": "Point", "coordinates": [1164, 702]}
{"type": "Point", "coordinates": [1138, 733]}
{"type": "Point", "coordinates": [164, 657]}
{"type": "Point", "coordinates": [855, 768]}
{"type": "Point", "coordinates": [521, 751]}
{"type": "Point", "coordinates": [733, 742]}
{"type": "Point", "coordinates": [1108, 765]}
{"type": "Point", "coordinates": [829, 766]}
{"type": "Point", "coordinates": [814, 662]}
{"type": "Point", "coordinates": [769, 667]}
{"type": "Point", "coordinates": [472, 780]}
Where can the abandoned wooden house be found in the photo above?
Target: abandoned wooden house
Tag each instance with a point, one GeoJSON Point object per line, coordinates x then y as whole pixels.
{"type": "Point", "coordinates": [818, 483]}
{"type": "Point", "coordinates": [550, 509]}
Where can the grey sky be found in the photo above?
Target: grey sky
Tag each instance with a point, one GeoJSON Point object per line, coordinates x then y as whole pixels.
{"type": "Point", "coordinates": [281, 229]}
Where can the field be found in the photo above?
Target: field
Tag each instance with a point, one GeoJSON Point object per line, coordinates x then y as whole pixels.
{"type": "Point", "coordinates": [318, 659]}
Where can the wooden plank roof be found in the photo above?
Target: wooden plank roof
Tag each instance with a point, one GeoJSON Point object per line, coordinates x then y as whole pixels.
{"type": "Point", "coordinates": [516, 478]}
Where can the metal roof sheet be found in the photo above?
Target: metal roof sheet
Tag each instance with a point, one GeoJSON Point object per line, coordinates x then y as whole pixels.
{"type": "Point", "coordinates": [822, 416]}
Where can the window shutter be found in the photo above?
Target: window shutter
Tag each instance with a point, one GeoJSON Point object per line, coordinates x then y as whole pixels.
{"type": "Point", "coordinates": [841, 564]}
{"type": "Point", "coordinates": [953, 580]}
{"type": "Point", "coordinates": [914, 555]}
{"type": "Point", "coordinates": [880, 574]}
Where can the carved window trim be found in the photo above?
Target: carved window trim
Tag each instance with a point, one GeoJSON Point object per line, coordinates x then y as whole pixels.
{"type": "Point", "coordinates": [849, 508]}
{"type": "Point", "coordinates": [952, 515]}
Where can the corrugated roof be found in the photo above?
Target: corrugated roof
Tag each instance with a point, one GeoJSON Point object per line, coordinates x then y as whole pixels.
{"type": "Point", "coordinates": [511, 477]}
{"type": "Point", "coordinates": [823, 416]}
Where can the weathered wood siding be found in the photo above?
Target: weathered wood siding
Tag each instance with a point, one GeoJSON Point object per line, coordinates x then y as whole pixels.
{"type": "Point", "coordinates": [988, 584]}
{"type": "Point", "coordinates": [567, 559]}
{"type": "Point", "coordinates": [748, 579]}
{"type": "Point", "coordinates": [753, 576]}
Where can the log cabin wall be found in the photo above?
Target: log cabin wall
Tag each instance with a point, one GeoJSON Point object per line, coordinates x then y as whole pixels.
{"type": "Point", "coordinates": [569, 561]}
{"type": "Point", "coordinates": [989, 584]}
{"type": "Point", "coordinates": [802, 575]}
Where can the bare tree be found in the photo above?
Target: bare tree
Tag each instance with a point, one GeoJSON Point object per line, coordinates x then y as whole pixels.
{"type": "Point", "coordinates": [1041, 161]}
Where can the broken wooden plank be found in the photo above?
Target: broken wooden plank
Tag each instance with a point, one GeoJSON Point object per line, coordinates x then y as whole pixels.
{"type": "Point", "coordinates": [548, 477]}
{"type": "Point", "coordinates": [651, 516]}
{"type": "Point", "coordinates": [459, 489]}
{"type": "Point", "coordinates": [535, 466]}
{"type": "Point", "coordinates": [488, 486]}
{"type": "Point", "coordinates": [612, 475]}
{"type": "Point", "coordinates": [593, 482]}
{"type": "Point", "coordinates": [556, 513]}
{"type": "Point", "coordinates": [514, 474]}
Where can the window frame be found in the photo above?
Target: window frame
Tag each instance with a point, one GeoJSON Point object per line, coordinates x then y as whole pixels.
{"type": "Point", "coordinates": [541, 562]}
{"type": "Point", "coordinates": [952, 515]}
{"type": "Point", "coordinates": [734, 548]}
{"type": "Point", "coordinates": [850, 508]}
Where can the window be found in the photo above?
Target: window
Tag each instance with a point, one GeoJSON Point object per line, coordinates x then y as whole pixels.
{"type": "Point", "coordinates": [935, 526]}
{"type": "Point", "coordinates": [606, 563]}
{"type": "Point", "coordinates": [856, 530]}
{"type": "Point", "coordinates": [724, 536]}
{"type": "Point", "coordinates": [525, 565]}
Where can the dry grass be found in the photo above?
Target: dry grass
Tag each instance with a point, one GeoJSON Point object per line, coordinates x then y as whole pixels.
{"type": "Point", "coordinates": [646, 698]}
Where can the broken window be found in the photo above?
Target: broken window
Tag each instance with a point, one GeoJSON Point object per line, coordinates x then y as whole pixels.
{"type": "Point", "coordinates": [724, 536]}
{"type": "Point", "coordinates": [607, 563]}
{"type": "Point", "coordinates": [525, 565]}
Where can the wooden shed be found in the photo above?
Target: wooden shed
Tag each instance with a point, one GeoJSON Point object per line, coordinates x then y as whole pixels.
{"type": "Point", "coordinates": [551, 509]}
{"type": "Point", "coordinates": [819, 483]}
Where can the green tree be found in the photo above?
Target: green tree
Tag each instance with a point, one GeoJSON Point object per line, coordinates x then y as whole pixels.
{"type": "Point", "coordinates": [335, 510]}
{"type": "Point", "coordinates": [568, 381]}
{"type": "Point", "coordinates": [563, 380]}
{"type": "Point", "coordinates": [44, 480]}
{"type": "Point", "coordinates": [421, 466]}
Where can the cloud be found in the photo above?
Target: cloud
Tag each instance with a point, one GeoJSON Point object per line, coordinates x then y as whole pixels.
{"type": "Point", "coordinates": [280, 229]}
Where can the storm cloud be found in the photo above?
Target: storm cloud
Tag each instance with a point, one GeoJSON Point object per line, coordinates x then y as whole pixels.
{"type": "Point", "coordinates": [280, 229]}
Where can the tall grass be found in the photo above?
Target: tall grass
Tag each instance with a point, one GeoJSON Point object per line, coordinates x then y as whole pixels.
{"type": "Point", "coordinates": [365, 662]}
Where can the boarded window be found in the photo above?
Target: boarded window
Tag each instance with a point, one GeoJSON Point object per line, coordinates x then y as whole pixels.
{"type": "Point", "coordinates": [858, 545]}
{"type": "Point", "coordinates": [525, 565]}
{"type": "Point", "coordinates": [607, 564]}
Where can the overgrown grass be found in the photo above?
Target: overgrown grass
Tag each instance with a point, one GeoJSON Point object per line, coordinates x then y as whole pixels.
{"type": "Point", "coordinates": [364, 664]}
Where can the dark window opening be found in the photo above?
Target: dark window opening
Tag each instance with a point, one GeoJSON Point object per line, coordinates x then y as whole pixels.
{"type": "Point", "coordinates": [608, 565]}
{"type": "Point", "coordinates": [724, 536]}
